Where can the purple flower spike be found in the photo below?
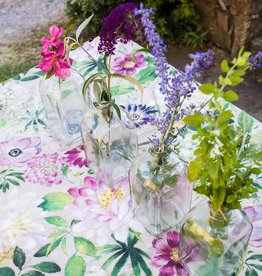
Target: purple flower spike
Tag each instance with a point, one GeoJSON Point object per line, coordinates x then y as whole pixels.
{"type": "Point", "coordinates": [256, 61]}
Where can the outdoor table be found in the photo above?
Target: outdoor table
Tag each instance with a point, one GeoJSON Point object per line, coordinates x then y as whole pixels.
{"type": "Point", "coordinates": [52, 212]}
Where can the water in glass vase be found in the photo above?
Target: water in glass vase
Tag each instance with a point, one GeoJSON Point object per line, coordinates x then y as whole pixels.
{"type": "Point", "coordinates": [64, 106]}
{"type": "Point", "coordinates": [109, 142]}
{"type": "Point", "coordinates": [161, 197]}
{"type": "Point", "coordinates": [214, 245]}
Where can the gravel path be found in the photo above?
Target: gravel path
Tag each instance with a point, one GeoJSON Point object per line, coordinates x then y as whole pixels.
{"type": "Point", "coordinates": [18, 17]}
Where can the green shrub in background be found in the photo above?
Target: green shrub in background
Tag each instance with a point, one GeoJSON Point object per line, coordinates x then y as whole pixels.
{"type": "Point", "coordinates": [175, 19]}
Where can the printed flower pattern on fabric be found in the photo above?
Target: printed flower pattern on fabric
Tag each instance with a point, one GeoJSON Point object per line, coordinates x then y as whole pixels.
{"type": "Point", "coordinates": [141, 114]}
{"type": "Point", "coordinates": [21, 222]}
{"type": "Point", "coordinates": [46, 169]}
{"type": "Point", "coordinates": [255, 215]}
{"type": "Point", "coordinates": [18, 151]}
{"type": "Point", "coordinates": [76, 157]}
{"type": "Point", "coordinates": [128, 65]}
{"type": "Point", "coordinates": [107, 209]}
{"type": "Point", "coordinates": [165, 255]}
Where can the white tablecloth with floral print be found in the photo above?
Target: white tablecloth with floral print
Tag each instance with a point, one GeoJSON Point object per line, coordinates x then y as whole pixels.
{"type": "Point", "coordinates": [54, 215]}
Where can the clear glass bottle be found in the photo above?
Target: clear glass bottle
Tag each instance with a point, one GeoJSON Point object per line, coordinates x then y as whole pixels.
{"type": "Point", "coordinates": [109, 142]}
{"type": "Point", "coordinates": [64, 106]}
{"type": "Point", "coordinates": [214, 244]}
{"type": "Point", "coordinates": [161, 196]}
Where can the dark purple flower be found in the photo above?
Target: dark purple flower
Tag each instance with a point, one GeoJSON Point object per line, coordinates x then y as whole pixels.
{"type": "Point", "coordinates": [256, 61]}
{"type": "Point", "coordinates": [118, 26]}
{"type": "Point", "coordinates": [166, 257]}
{"type": "Point", "coordinates": [76, 157]}
{"type": "Point", "coordinates": [141, 114]}
{"type": "Point", "coordinates": [255, 215]}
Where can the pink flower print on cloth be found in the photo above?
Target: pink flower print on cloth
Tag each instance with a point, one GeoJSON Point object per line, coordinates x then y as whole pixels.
{"type": "Point", "coordinates": [76, 157]}
{"type": "Point", "coordinates": [255, 215]}
{"type": "Point", "coordinates": [127, 65]}
{"type": "Point", "coordinates": [18, 151]}
{"type": "Point", "coordinates": [46, 169]}
{"type": "Point", "coordinates": [107, 209]}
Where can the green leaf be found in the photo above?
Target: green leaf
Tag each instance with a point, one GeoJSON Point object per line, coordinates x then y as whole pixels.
{"type": "Point", "coordinates": [257, 266]}
{"type": "Point", "coordinates": [245, 122]}
{"type": "Point", "coordinates": [63, 246]}
{"type": "Point", "coordinates": [121, 89]}
{"type": "Point", "coordinates": [193, 170]}
{"type": "Point", "coordinates": [33, 273]}
{"type": "Point", "coordinates": [109, 248]}
{"type": "Point", "coordinates": [6, 271]}
{"type": "Point", "coordinates": [230, 96]}
{"type": "Point", "coordinates": [135, 264]}
{"type": "Point", "coordinates": [195, 120]}
{"type": "Point", "coordinates": [143, 265]}
{"type": "Point", "coordinates": [235, 80]}
{"type": "Point", "coordinates": [47, 267]}
{"type": "Point", "coordinates": [224, 116]}
{"type": "Point", "coordinates": [207, 88]}
{"type": "Point", "coordinates": [83, 26]}
{"type": "Point", "coordinates": [251, 272]}
{"type": "Point", "coordinates": [29, 78]}
{"type": "Point", "coordinates": [111, 259]}
{"type": "Point", "coordinates": [224, 66]}
{"type": "Point", "coordinates": [65, 170]}
{"type": "Point", "coordinates": [256, 257]}
{"type": "Point", "coordinates": [146, 75]}
{"type": "Point", "coordinates": [12, 181]}
{"type": "Point", "coordinates": [90, 80]}
{"type": "Point", "coordinates": [117, 109]}
{"type": "Point", "coordinates": [57, 221]}
{"type": "Point", "coordinates": [19, 258]}
{"type": "Point", "coordinates": [84, 246]}
{"type": "Point", "coordinates": [46, 249]}
{"type": "Point", "coordinates": [218, 197]}
{"type": "Point", "coordinates": [120, 264]}
{"type": "Point", "coordinates": [75, 266]}
{"type": "Point", "coordinates": [56, 201]}
{"type": "Point", "coordinates": [57, 234]}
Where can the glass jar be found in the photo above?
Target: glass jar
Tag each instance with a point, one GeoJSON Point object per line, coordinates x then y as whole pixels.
{"type": "Point", "coordinates": [109, 142]}
{"type": "Point", "coordinates": [64, 106]}
{"type": "Point", "coordinates": [214, 244]}
{"type": "Point", "coordinates": [161, 195]}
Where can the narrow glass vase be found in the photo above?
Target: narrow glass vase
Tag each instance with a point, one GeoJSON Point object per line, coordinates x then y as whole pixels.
{"type": "Point", "coordinates": [110, 142]}
{"type": "Point", "coordinates": [64, 106]}
{"type": "Point", "coordinates": [161, 195]}
{"type": "Point", "coordinates": [214, 243]}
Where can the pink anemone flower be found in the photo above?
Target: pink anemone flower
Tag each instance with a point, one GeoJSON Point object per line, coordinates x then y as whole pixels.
{"type": "Point", "coordinates": [55, 33]}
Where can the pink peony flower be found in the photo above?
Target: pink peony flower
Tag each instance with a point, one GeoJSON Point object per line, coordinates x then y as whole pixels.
{"type": "Point", "coordinates": [165, 255]}
{"type": "Point", "coordinates": [128, 66]}
{"type": "Point", "coordinates": [55, 61]}
{"type": "Point", "coordinates": [55, 33]}
{"type": "Point", "coordinates": [45, 169]}
{"type": "Point", "coordinates": [18, 151]}
{"type": "Point", "coordinates": [255, 215]}
{"type": "Point", "coordinates": [76, 157]}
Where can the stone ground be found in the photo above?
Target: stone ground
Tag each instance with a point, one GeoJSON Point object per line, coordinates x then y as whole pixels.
{"type": "Point", "coordinates": [18, 19]}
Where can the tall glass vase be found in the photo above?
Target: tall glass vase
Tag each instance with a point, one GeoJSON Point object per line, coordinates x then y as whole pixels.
{"type": "Point", "coordinates": [214, 243]}
{"type": "Point", "coordinates": [161, 195]}
{"type": "Point", "coordinates": [110, 142]}
{"type": "Point", "coordinates": [64, 106]}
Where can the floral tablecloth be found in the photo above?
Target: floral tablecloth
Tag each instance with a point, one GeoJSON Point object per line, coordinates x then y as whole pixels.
{"type": "Point", "coordinates": [55, 217]}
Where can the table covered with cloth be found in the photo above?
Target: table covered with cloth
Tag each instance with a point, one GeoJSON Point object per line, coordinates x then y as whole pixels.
{"type": "Point", "coordinates": [55, 218]}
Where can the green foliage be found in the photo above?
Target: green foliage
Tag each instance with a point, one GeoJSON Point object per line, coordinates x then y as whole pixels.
{"type": "Point", "coordinates": [225, 160]}
{"type": "Point", "coordinates": [123, 251]}
{"type": "Point", "coordinates": [10, 177]}
{"type": "Point", "coordinates": [176, 19]}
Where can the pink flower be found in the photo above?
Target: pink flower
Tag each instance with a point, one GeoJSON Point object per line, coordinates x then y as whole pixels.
{"type": "Point", "coordinates": [76, 157]}
{"type": "Point", "coordinates": [53, 41]}
{"type": "Point", "coordinates": [255, 215]}
{"type": "Point", "coordinates": [165, 255]}
{"type": "Point", "coordinates": [127, 65]}
{"type": "Point", "coordinates": [18, 151]}
{"type": "Point", "coordinates": [45, 169]}
{"type": "Point", "coordinates": [56, 62]}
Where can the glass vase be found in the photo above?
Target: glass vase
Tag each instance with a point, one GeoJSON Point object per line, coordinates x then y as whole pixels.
{"type": "Point", "coordinates": [64, 106]}
{"type": "Point", "coordinates": [110, 142]}
{"type": "Point", "coordinates": [161, 195]}
{"type": "Point", "coordinates": [214, 244]}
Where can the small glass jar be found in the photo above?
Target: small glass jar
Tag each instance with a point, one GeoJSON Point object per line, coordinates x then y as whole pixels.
{"type": "Point", "coordinates": [109, 142]}
{"type": "Point", "coordinates": [64, 106]}
{"type": "Point", "coordinates": [161, 195]}
{"type": "Point", "coordinates": [214, 244]}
